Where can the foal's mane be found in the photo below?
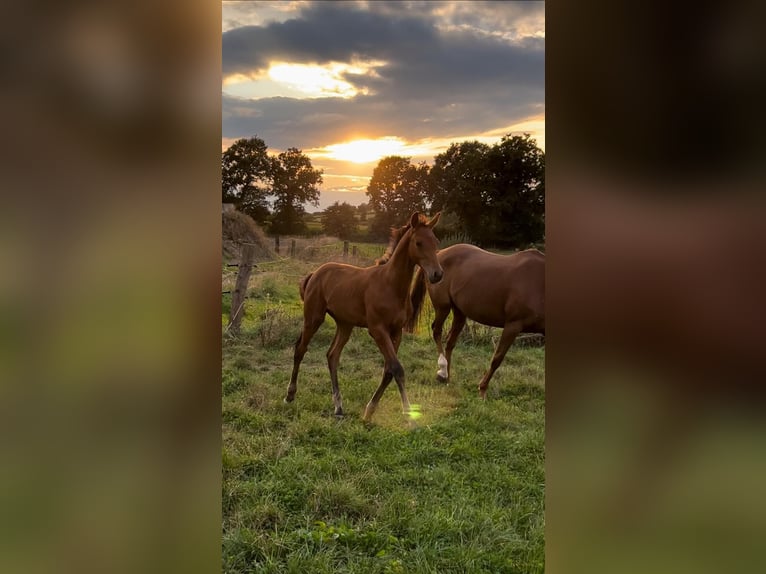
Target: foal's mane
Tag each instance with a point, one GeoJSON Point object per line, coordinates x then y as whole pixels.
{"type": "Point", "coordinates": [396, 237]}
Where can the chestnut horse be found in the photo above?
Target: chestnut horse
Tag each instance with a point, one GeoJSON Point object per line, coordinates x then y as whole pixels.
{"type": "Point", "coordinates": [506, 291]}
{"type": "Point", "coordinates": [372, 297]}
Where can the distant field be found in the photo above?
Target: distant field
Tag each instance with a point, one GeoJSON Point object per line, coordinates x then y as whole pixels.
{"type": "Point", "coordinates": [314, 224]}
{"type": "Point", "coordinates": [320, 248]}
{"type": "Point", "coordinates": [460, 489]}
{"type": "Point", "coordinates": [313, 221]}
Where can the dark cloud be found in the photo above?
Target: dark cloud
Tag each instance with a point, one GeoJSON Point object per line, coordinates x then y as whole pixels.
{"type": "Point", "coordinates": [323, 33]}
{"type": "Point", "coordinates": [447, 72]}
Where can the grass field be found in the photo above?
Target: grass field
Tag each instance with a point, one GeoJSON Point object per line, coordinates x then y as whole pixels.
{"type": "Point", "coordinates": [459, 489]}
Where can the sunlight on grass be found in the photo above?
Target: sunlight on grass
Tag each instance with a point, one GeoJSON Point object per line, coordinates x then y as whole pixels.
{"type": "Point", "coordinates": [414, 412]}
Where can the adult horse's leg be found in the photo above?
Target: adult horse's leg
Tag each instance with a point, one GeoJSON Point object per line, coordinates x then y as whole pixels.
{"type": "Point", "coordinates": [510, 331]}
{"type": "Point", "coordinates": [392, 370]}
{"type": "Point", "coordinates": [458, 322]}
{"type": "Point", "coordinates": [342, 333]}
{"type": "Point", "coordinates": [312, 320]}
{"type": "Point", "coordinates": [436, 331]}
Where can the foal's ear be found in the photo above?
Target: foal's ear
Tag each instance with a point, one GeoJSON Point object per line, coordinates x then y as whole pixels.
{"type": "Point", "coordinates": [434, 220]}
{"type": "Point", "coordinates": [415, 220]}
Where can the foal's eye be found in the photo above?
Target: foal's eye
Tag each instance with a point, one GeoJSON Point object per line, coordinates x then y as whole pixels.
{"type": "Point", "coordinates": [417, 244]}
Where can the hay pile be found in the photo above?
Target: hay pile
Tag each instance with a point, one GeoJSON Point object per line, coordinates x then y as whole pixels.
{"type": "Point", "coordinates": [238, 228]}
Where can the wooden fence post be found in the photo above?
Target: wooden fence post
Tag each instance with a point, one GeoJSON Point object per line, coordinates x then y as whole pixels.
{"type": "Point", "coordinates": [345, 250]}
{"type": "Point", "coordinates": [276, 244]}
{"type": "Point", "coordinates": [353, 251]}
{"type": "Point", "coordinates": [239, 294]}
{"type": "Point", "coordinates": [292, 248]}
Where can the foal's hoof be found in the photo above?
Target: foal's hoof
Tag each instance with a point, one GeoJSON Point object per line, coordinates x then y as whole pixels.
{"type": "Point", "coordinates": [339, 415]}
{"type": "Point", "coordinates": [441, 379]}
{"type": "Point", "coordinates": [288, 399]}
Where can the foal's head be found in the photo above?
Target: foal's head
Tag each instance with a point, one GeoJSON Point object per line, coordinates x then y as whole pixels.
{"type": "Point", "coordinates": [422, 247]}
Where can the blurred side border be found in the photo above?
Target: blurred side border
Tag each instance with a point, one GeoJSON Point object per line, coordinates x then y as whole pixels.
{"type": "Point", "coordinates": [655, 242]}
{"type": "Point", "coordinates": [109, 297]}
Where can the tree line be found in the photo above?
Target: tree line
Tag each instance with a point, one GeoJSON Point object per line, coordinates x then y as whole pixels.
{"type": "Point", "coordinates": [494, 194]}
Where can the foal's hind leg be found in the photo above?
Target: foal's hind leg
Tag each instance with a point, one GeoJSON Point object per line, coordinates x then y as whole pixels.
{"type": "Point", "coordinates": [436, 330]}
{"type": "Point", "coordinates": [342, 333]}
{"type": "Point", "coordinates": [311, 324]}
{"type": "Point", "coordinates": [510, 331]}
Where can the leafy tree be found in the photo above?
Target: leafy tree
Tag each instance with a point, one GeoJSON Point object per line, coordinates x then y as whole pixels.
{"type": "Point", "coordinates": [253, 180]}
{"type": "Point", "coordinates": [517, 167]}
{"type": "Point", "coordinates": [245, 174]}
{"type": "Point", "coordinates": [461, 183]}
{"type": "Point", "coordinates": [294, 182]}
{"type": "Point", "coordinates": [396, 190]}
{"type": "Point", "coordinates": [340, 220]}
{"type": "Point", "coordinates": [497, 192]}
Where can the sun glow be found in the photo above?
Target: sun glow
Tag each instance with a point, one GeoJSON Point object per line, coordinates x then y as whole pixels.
{"type": "Point", "coordinates": [365, 151]}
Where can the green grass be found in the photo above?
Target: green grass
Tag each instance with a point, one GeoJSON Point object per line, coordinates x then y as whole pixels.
{"type": "Point", "coordinates": [459, 489]}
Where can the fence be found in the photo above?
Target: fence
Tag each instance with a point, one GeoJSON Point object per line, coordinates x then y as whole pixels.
{"type": "Point", "coordinates": [239, 294]}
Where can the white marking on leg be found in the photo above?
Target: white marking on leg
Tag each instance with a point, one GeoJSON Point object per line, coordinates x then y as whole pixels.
{"type": "Point", "coordinates": [442, 372]}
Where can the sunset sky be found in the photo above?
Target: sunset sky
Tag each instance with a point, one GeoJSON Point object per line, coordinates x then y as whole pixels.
{"type": "Point", "coordinates": [351, 82]}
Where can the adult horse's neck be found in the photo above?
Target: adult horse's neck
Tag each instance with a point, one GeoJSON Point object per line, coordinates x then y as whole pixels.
{"type": "Point", "coordinates": [400, 268]}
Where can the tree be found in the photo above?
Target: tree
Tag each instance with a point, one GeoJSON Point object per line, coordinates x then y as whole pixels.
{"type": "Point", "coordinates": [497, 192]}
{"type": "Point", "coordinates": [396, 190]}
{"type": "Point", "coordinates": [339, 219]}
{"type": "Point", "coordinates": [245, 174]}
{"type": "Point", "coordinates": [460, 185]}
{"type": "Point", "coordinates": [294, 182]}
{"type": "Point", "coordinates": [517, 166]}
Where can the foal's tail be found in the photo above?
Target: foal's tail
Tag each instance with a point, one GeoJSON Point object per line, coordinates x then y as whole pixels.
{"type": "Point", "coordinates": [417, 295]}
{"type": "Point", "coordinates": [303, 283]}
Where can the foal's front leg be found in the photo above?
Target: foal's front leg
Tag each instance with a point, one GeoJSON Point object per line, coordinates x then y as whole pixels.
{"type": "Point", "coordinates": [392, 369]}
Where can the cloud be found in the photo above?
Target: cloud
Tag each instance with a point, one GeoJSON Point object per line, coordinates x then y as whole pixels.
{"type": "Point", "coordinates": [431, 71]}
{"type": "Point", "coordinates": [322, 33]}
{"type": "Point", "coordinates": [412, 45]}
{"type": "Point", "coordinates": [236, 14]}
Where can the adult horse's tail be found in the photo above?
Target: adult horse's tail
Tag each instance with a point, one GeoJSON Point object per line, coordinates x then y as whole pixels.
{"type": "Point", "coordinates": [417, 295]}
{"type": "Point", "coordinates": [303, 283]}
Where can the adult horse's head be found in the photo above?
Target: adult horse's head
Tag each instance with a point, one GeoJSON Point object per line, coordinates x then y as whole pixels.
{"type": "Point", "coordinates": [423, 244]}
